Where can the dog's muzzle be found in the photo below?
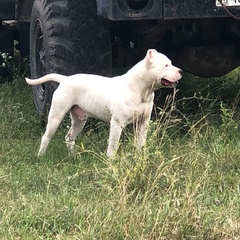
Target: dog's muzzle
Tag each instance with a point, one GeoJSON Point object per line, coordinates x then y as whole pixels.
{"type": "Point", "coordinates": [167, 83]}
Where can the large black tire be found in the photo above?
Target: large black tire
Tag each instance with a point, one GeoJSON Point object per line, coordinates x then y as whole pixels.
{"type": "Point", "coordinates": [66, 37]}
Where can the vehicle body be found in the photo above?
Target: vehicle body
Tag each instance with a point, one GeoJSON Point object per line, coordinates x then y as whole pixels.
{"type": "Point", "coordinates": [7, 12]}
{"type": "Point", "coordinates": [93, 36]}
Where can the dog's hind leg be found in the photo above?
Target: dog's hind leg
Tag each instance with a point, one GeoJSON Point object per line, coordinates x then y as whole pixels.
{"type": "Point", "coordinates": [55, 117]}
{"type": "Point", "coordinates": [78, 121]}
{"type": "Point", "coordinates": [47, 136]}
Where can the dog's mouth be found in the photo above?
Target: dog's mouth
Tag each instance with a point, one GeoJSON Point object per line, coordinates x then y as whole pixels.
{"type": "Point", "coordinates": [167, 83]}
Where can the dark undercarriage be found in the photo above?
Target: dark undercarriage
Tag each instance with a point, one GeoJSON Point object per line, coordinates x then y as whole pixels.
{"type": "Point", "coordinates": [208, 47]}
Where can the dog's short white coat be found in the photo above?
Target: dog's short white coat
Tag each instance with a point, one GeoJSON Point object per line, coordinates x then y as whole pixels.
{"type": "Point", "coordinates": [119, 100]}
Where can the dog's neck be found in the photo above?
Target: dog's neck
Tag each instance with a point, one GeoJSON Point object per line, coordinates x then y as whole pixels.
{"type": "Point", "coordinates": [141, 82]}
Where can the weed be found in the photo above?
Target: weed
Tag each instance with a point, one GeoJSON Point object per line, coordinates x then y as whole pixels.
{"type": "Point", "coordinates": [13, 67]}
{"type": "Point", "coordinates": [184, 184]}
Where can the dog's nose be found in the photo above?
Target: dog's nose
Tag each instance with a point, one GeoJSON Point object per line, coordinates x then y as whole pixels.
{"type": "Point", "coordinates": [180, 71]}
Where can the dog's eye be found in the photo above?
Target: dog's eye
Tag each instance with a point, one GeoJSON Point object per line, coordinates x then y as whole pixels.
{"type": "Point", "coordinates": [166, 65]}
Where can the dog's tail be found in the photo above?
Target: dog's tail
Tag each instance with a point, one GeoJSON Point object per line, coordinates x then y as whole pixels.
{"type": "Point", "coordinates": [49, 77]}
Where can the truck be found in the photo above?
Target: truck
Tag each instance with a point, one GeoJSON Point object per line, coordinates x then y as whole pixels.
{"type": "Point", "coordinates": [96, 36]}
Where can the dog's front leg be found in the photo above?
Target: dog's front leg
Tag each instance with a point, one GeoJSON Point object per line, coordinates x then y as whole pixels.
{"type": "Point", "coordinates": [141, 130]}
{"type": "Point", "coordinates": [114, 136]}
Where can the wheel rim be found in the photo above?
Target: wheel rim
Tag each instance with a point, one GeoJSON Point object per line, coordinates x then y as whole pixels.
{"type": "Point", "coordinates": [40, 59]}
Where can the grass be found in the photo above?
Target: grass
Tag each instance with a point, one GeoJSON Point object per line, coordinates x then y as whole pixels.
{"type": "Point", "coordinates": [185, 184]}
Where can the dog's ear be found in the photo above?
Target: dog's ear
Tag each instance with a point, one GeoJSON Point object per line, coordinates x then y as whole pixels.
{"type": "Point", "coordinates": [150, 55]}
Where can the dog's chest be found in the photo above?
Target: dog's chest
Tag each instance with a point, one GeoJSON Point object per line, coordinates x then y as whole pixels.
{"type": "Point", "coordinates": [132, 112]}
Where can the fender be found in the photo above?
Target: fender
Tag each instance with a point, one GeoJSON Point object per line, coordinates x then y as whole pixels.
{"type": "Point", "coordinates": [23, 10]}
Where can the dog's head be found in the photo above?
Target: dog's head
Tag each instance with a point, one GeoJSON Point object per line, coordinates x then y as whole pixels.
{"type": "Point", "coordinates": [161, 70]}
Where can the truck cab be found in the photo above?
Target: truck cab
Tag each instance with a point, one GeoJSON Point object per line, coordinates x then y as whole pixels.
{"type": "Point", "coordinates": [95, 36]}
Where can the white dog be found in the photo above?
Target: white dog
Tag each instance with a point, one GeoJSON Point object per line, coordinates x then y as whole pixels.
{"type": "Point", "coordinates": [119, 100]}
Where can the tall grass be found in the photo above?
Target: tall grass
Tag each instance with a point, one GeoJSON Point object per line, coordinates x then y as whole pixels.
{"type": "Point", "coordinates": [184, 184]}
